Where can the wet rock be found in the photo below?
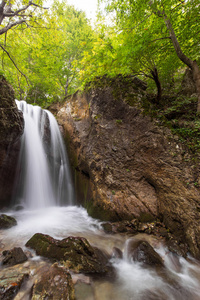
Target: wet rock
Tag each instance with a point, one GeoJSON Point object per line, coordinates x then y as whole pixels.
{"type": "Point", "coordinates": [14, 257]}
{"type": "Point", "coordinates": [54, 283]}
{"type": "Point", "coordinates": [117, 253]}
{"type": "Point", "coordinates": [121, 227]}
{"type": "Point", "coordinates": [175, 247]}
{"type": "Point", "coordinates": [156, 228]}
{"type": "Point", "coordinates": [142, 251]}
{"type": "Point", "coordinates": [7, 221]}
{"type": "Point", "coordinates": [84, 291]}
{"type": "Point", "coordinates": [11, 129]}
{"type": "Point", "coordinates": [107, 227]}
{"type": "Point", "coordinates": [76, 253]}
{"type": "Point", "coordinates": [10, 283]}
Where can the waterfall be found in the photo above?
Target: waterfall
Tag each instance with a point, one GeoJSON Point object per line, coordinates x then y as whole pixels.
{"type": "Point", "coordinates": [43, 169]}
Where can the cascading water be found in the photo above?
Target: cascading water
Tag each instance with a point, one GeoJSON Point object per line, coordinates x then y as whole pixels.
{"type": "Point", "coordinates": [43, 165]}
{"type": "Point", "coordinates": [44, 185]}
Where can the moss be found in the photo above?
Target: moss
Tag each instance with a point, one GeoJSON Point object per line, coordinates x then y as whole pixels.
{"type": "Point", "coordinates": [101, 212]}
{"type": "Point", "coordinates": [7, 221]}
{"type": "Point", "coordinates": [146, 217]}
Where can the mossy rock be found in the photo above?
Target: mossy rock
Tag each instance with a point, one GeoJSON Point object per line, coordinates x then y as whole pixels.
{"type": "Point", "coordinates": [7, 221]}
{"type": "Point", "coordinates": [75, 252]}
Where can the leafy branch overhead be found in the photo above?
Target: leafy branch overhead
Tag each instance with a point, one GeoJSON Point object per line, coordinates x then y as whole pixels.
{"type": "Point", "coordinates": [13, 13]}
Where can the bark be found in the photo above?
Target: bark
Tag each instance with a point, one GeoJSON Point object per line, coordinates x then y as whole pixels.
{"type": "Point", "coordinates": [196, 77]}
{"type": "Point", "coordinates": [154, 73]}
{"type": "Point", "coordinates": [66, 87]}
{"type": "Point", "coordinates": [2, 5]}
{"type": "Point", "coordinates": [186, 60]}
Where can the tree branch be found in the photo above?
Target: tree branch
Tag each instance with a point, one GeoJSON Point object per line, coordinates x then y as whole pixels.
{"type": "Point", "coordinates": [14, 63]}
{"type": "Point", "coordinates": [9, 26]}
{"type": "Point", "coordinates": [12, 14]}
{"type": "Point", "coordinates": [163, 38]}
{"type": "Point", "coordinates": [186, 60]}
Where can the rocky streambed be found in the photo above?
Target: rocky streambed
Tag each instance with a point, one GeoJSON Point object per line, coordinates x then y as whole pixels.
{"type": "Point", "coordinates": [56, 258]}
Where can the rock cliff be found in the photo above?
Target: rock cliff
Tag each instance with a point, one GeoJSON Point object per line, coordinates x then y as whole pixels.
{"type": "Point", "coordinates": [133, 167]}
{"type": "Point", "coordinates": [11, 128]}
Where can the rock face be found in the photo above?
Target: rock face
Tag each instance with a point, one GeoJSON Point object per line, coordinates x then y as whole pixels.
{"type": "Point", "coordinates": [76, 252]}
{"type": "Point", "coordinates": [134, 168]}
{"type": "Point", "coordinates": [11, 128]}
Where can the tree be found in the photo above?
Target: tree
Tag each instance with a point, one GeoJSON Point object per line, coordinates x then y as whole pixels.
{"type": "Point", "coordinates": [147, 20]}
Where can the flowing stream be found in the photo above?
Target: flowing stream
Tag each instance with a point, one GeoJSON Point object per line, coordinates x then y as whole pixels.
{"type": "Point", "coordinates": [44, 202]}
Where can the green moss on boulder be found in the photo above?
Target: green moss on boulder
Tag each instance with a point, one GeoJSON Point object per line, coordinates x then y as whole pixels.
{"type": "Point", "coordinates": [7, 221]}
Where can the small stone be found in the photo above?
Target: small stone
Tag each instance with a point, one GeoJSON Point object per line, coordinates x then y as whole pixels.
{"type": "Point", "coordinates": [14, 257]}
{"type": "Point", "coordinates": [143, 252]}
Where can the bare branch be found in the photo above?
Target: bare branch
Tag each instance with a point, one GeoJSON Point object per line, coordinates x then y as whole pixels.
{"type": "Point", "coordinates": [16, 13]}
{"type": "Point", "coordinates": [14, 63]}
{"type": "Point", "coordinates": [9, 26]}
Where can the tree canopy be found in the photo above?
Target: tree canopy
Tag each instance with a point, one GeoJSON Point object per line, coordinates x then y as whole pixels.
{"type": "Point", "coordinates": [48, 54]}
{"type": "Point", "coordinates": [56, 51]}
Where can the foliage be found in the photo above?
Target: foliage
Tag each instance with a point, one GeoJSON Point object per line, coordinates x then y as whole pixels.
{"type": "Point", "coordinates": [139, 41]}
{"type": "Point", "coordinates": [14, 13]}
{"type": "Point", "coordinates": [59, 52]}
{"type": "Point", "coordinates": [48, 54]}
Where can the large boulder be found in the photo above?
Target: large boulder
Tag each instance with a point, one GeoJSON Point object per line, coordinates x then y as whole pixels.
{"type": "Point", "coordinates": [76, 253]}
{"type": "Point", "coordinates": [11, 128]}
{"type": "Point", "coordinates": [131, 167]}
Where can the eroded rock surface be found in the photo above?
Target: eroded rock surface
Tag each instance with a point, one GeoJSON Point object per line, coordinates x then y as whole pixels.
{"type": "Point", "coordinates": [54, 283]}
{"type": "Point", "coordinates": [76, 252]}
{"type": "Point", "coordinates": [11, 281]}
{"type": "Point", "coordinates": [11, 128]}
{"type": "Point", "coordinates": [134, 168]}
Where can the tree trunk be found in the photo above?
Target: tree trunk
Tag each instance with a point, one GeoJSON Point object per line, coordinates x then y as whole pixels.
{"type": "Point", "coordinates": [186, 60]}
{"type": "Point", "coordinates": [154, 73]}
{"type": "Point", "coordinates": [66, 87]}
{"type": "Point", "coordinates": [196, 78]}
{"type": "Point", "coordinates": [2, 5]}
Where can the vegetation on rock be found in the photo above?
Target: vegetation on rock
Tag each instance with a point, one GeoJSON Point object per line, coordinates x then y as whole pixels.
{"type": "Point", "coordinates": [7, 221]}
